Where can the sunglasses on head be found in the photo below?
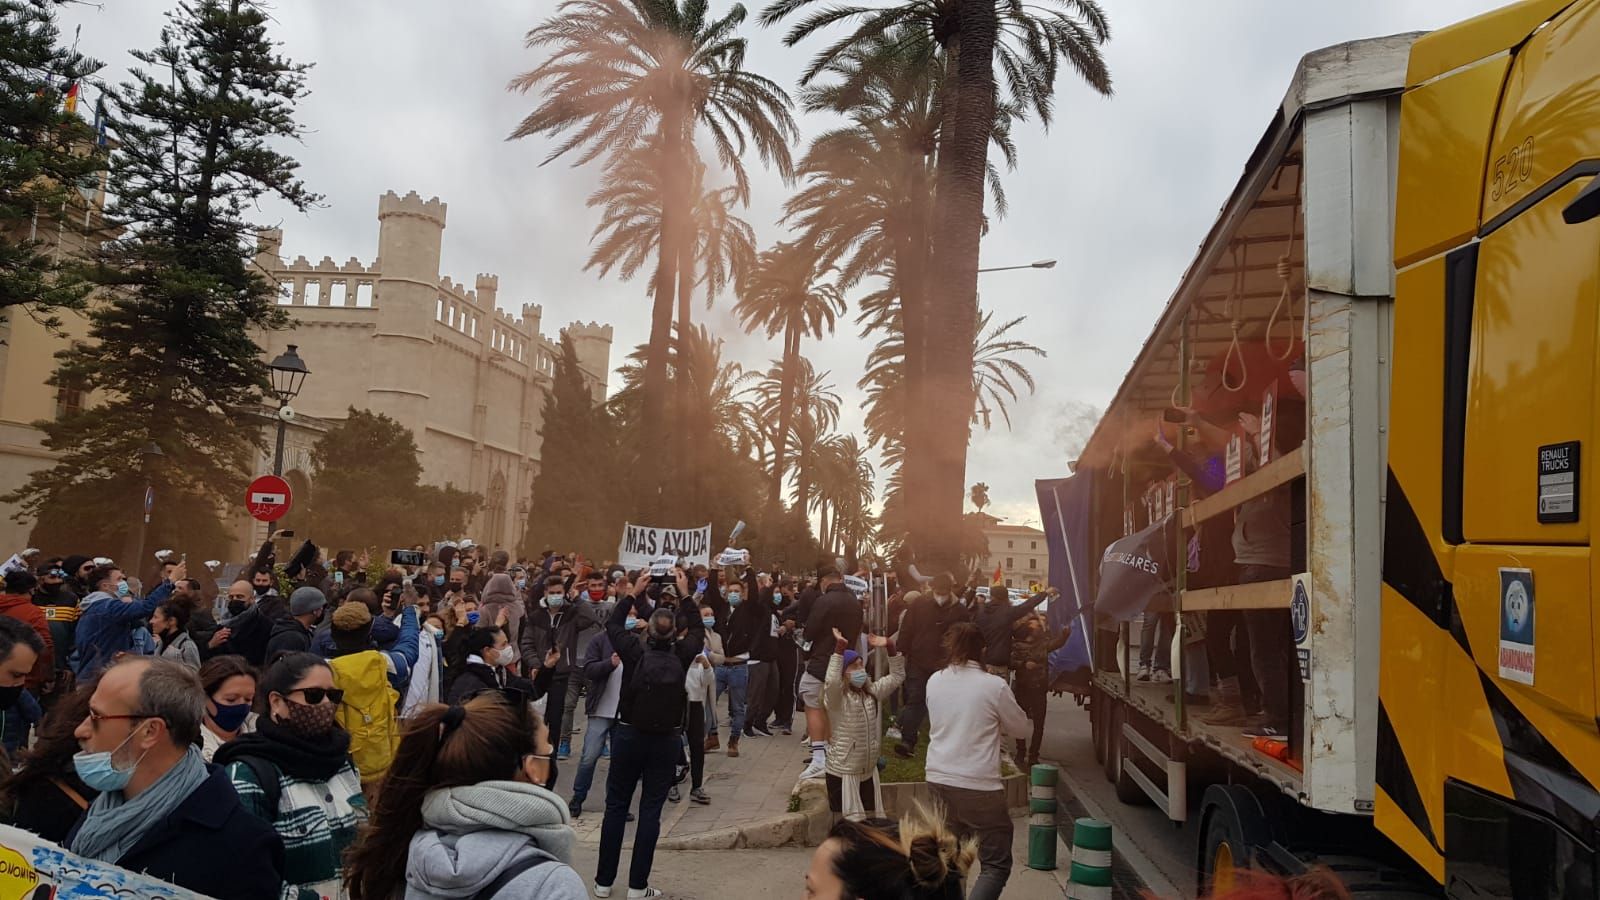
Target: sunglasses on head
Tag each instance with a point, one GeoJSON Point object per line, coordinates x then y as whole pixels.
{"type": "Point", "coordinates": [315, 695]}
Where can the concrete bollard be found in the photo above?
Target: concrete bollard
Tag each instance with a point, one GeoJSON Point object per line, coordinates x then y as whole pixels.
{"type": "Point", "coordinates": [1042, 818]}
{"type": "Point", "coordinates": [1091, 861]}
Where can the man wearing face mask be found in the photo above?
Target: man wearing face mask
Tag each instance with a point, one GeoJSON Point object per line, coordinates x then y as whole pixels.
{"type": "Point", "coordinates": [292, 634]}
{"type": "Point", "coordinates": [17, 603]}
{"type": "Point", "coordinates": [162, 810]}
{"type": "Point", "coordinates": [555, 627]}
{"type": "Point", "coordinates": [108, 616]}
{"type": "Point", "coordinates": [922, 642]}
{"type": "Point", "coordinates": [489, 652]}
{"type": "Point", "coordinates": [744, 624]}
{"type": "Point", "coordinates": [21, 650]}
{"type": "Point", "coordinates": [645, 741]}
{"type": "Point", "coordinates": [595, 597]}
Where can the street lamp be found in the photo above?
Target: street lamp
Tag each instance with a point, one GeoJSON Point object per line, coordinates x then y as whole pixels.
{"type": "Point", "coordinates": [1041, 264]}
{"type": "Point", "coordinates": [148, 454]}
{"type": "Point", "coordinates": [288, 375]}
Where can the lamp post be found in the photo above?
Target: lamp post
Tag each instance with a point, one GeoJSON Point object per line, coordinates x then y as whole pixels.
{"type": "Point", "coordinates": [288, 375]}
{"type": "Point", "coordinates": [148, 454]}
{"type": "Point", "coordinates": [1041, 264]}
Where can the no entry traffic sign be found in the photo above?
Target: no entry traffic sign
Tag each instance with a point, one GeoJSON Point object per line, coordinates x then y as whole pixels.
{"type": "Point", "coordinates": [267, 498]}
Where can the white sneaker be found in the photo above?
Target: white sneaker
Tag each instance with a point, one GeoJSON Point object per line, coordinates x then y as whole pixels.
{"type": "Point", "coordinates": [642, 893]}
{"type": "Point", "coordinates": [602, 890]}
{"type": "Point", "coordinates": [813, 772]}
{"type": "Point", "coordinates": [891, 734]}
{"type": "Point", "coordinates": [1161, 676]}
{"type": "Point", "coordinates": [1144, 674]}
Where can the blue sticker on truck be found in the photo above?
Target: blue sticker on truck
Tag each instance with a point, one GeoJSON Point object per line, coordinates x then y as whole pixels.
{"type": "Point", "coordinates": [1517, 617]}
{"type": "Point", "coordinates": [1300, 612]}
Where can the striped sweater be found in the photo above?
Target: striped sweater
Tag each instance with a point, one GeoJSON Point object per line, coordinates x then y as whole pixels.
{"type": "Point", "coordinates": [317, 821]}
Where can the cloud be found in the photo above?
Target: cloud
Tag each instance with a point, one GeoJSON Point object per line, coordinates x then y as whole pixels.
{"type": "Point", "coordinates": [410, 95]}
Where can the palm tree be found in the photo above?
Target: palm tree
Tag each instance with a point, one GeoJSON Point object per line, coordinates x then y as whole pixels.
{"type": "Point", "coordinates": [816, 414]}
{"type": "Point", "coordinates": [844, 492]}
{"type": "Point", "coordinates": [785, 295]}
{"type": "Point", "coordinates": [1026, 43]}
{"type": "Point", "coordinates": [622, 73]}
{"type": "Point", "coordinates": [979, 494]}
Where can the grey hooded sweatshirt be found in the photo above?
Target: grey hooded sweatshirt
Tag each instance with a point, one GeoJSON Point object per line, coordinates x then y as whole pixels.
{"type": "Point", "coordinates": [474, 833]}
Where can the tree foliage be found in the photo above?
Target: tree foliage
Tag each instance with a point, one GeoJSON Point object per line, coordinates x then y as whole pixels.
{"type": "Point", "coordinates": [171, 360]}
{"type": "Point", "coordinates": [367, 491]}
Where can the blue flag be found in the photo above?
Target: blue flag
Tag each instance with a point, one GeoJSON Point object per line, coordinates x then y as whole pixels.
{"type": "Point", "coordinates": [1064, 509]}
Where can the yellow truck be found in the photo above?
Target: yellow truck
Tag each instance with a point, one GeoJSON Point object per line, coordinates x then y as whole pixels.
{"type": "Point", "coordinates": [1412, 257]}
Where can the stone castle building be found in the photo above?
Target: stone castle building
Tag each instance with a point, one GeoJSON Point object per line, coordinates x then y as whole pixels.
{"type": "Point", "coordinates": [397, 338]}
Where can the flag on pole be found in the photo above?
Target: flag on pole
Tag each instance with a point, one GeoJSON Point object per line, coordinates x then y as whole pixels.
{"type": "Point", "coordinates": [999, 575]}
{"type": "Point", "coordinates": [72, 98]}
{"type": "Point", "coordinates": [100, 139]}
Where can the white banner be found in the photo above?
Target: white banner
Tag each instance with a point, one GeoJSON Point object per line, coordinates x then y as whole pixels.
{"type": "Point", "coordinates": [32, 867]}
{"type": "Point", "coordinates": [643, 543]}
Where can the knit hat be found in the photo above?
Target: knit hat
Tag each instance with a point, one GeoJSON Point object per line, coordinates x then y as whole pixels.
{"type": "Point", "coordinates": [305, 600]}
{"type": "Point", "coordinates": [500, 588]}
{"type": "Point", "coordinates": [351, 617]}
{"type": "Point", "coordinates": [850, 656]}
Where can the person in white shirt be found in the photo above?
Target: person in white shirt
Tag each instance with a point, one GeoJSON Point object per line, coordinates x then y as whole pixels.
{"type": "Point", "coordinates": [970, 714]}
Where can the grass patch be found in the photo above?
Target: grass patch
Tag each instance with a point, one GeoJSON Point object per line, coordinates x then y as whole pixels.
{"type": "Point", "coordinates": [901, 770]}
{"type": "Point", "coordinates": [794, 803]}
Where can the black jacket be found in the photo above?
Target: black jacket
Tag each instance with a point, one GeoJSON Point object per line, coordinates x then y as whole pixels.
{"type": "Point", "coordinates": [922, 632]}
{"type": "Point", "coordinates": [252, 629]}
{"type": "Point", "coordinates": [995, 622]}
{"type": "Point", "coordinates": [475, 678]}
{"type": "Point", "coordinates": [837, 608]}
{"type": "Point", "coordinates": [42, 807]}
{"type": "Point", "coordinates": [541, 631]}
{"type": "Point", "coordinates": [747, 624]}
{"type": "Point", "coordinates": [632, 650]}
{"type": "Point", "coordinates": [211, 845]}
{"type": "Point", "coordinates": [288, 636]}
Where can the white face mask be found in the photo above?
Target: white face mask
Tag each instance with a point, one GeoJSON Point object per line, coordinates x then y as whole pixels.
{"type": "Point", "coordinates": [941, 599]}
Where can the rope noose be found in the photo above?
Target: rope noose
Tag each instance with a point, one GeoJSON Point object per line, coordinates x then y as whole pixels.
{"type": "Point", "coordinates": [1234, 302]}
{"type": "Point", "coordinates": [1286, 298]}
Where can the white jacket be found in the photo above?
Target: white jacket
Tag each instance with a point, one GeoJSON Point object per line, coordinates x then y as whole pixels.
{"type": "Point", "coordinates": [969, 713]}
{"type": "Point", "coordinates": [854, 721]}
{"type": "Point", "coordinates": [701, 682]}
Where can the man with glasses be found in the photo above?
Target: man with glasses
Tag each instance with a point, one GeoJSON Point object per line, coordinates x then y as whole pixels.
{"type": "Point", "coordinates": [161, 809]}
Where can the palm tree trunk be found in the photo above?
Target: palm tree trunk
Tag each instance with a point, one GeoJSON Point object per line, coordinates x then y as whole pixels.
{"type": "Point", "coordinates": [786, 401]}
{"type": "Point", "coordinates": [953, 287]}
{"type": "Point", "coordinates": [689, 468]}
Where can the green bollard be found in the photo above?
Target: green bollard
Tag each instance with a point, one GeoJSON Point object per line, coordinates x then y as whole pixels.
{"type": "Point", "coordinates": [1042, 818]}
{"type": "Point", "coordinates": [1091, 861]}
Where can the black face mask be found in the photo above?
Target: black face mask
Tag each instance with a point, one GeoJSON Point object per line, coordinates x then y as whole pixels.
{"type": "Point", "coordinates": [238, 606]}
{"type": "Point", "coordinates": [261, 588]}
{"type": "Point", "coordinates": [9, 696]}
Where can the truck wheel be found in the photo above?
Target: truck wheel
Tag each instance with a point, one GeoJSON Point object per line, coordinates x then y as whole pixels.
{"type": "Point", "coordinates": [1116, 765]}
{"type": "Point", "coordinates": [1232, 829]}
{"type": "Point", "coordinates": [1110, 724]}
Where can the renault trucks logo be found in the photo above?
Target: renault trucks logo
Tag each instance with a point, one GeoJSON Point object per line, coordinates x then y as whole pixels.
{"type": "Point", "coordinates": [1517, 618]}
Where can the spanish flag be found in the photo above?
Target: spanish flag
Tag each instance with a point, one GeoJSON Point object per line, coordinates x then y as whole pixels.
{"type": "Point", "coordinates": [72, 98]}
{"type": "Point", "coordinates": [999, 576]}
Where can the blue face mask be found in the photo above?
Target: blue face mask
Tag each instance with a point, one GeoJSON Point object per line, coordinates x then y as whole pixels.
{"type": "Point", "coordinates": [522, 584]}
{"type": "Point", "coordinates": [231, 715]}
{"type": "Point", "coordinates": [632, 623]}
{"type": "Point", "coordinates": [338, 578]}
{"type": "Point", "coordinates": [554, 601]}
{"type": "Point", "coordinates": [859, 678]}
{"type": "Point", "coordinates": [709, 623]}
{"type": "Point", "coordinates": [777, 596]}
{"type": "Point", "coordinates": [438, 581]}
{"type": "Point", "coordinates": [122, 589]}
{"type": "Point", "coordinates": [734, 598]}
{"type": "Point", "coordinates": [99, 772]}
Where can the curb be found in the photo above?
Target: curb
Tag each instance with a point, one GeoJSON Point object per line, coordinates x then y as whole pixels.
{"type": "Point", "coordinates": [805, 828]}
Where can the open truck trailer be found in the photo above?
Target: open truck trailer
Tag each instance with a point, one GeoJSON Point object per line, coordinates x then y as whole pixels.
{"type": "Point", "coordinates": [1417, 233]}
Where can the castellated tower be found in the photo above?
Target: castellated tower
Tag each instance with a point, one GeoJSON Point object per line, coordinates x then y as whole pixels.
{"type": "Point", "coordinates": [410, 234]}
{"type": "Point", "coordinates": [593, 344]}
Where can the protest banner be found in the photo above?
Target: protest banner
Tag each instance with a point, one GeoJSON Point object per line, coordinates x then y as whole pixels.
{"type": "Point", "coordinates": [643, 543]}
{"type": "Point", "coordinates": [32, 868]}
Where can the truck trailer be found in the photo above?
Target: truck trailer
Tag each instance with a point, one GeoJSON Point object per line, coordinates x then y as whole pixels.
{"type": "Point", "coordinates": [1395, 313]}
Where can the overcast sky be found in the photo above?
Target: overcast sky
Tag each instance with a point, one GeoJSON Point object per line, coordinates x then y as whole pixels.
{"type": "Point", "coordinates": [410, 95]}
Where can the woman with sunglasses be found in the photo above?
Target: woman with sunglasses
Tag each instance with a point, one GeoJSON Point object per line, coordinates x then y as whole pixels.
{"type": "Point", "coordinates": [464, 808]}
{"type": "Point", "coordinates": [295, 773]}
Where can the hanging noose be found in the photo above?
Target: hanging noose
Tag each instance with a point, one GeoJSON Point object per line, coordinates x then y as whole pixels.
{"type": "Point", "coordinates": [1235, 316]}
{"type": "Point", "coordinates": [1285, 302]}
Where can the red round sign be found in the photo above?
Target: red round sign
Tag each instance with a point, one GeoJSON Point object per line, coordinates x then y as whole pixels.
{"type": "Point", "coordinates": [267, 498]}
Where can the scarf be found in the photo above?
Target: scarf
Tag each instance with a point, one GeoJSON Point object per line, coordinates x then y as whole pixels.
{"type": "Point", "coordinates": [503, 806]}
{"type": "Point", "coordinates": [115, 822]}
{"type": "Point", "coordinates": [296, 755]}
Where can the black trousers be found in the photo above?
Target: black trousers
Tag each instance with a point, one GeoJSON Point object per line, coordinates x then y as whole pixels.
{"type": "Point", "coordinates": [697, 744]}
{"type": "Point", "coordinates": [788, 664]}
{"type": "Point", "coordinates": [762, 693]}
{"type": "Point", "coordinates": [554, 701]}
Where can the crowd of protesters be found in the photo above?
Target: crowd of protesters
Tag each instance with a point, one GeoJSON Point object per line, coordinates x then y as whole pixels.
{"type": "Point", "coordinates": [325, 727]}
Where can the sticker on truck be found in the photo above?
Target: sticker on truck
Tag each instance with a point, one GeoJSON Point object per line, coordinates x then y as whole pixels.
{"type": "Point", "coordinates": [1558, 483]}
{"type": "Point", "coordinates": [1516, 625]}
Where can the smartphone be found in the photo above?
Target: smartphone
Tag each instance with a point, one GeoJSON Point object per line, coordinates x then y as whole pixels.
{"type": "Point", "coordinates": [407, 558]}
{"type": "Point", "coordinates": [286, 534]}
{"type": "Point", "coordinates": [1174, 415]}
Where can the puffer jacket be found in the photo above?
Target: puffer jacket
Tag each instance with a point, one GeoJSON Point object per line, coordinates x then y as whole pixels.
{"type": "Point", "coordinates": [854, 717]}
{"type": "Point", "coordinates": [473, 834]}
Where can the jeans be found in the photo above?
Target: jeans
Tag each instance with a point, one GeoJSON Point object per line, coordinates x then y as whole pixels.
{"type": "Point", "coordinates": [762, 692]}
{"type": "Point", "coordinates": [914, 693]}
{"type": "Point", "coordinates": [552, 717]}
{"type": "Point", "coordinates": [734, 679]}
{"type": "Point", "coordinates": [1271, 648]}
{"type": "Point", "coordinates": [636, 758]}
{"type": "Point", "coordinates": [1155, 641]}
{"type": "Point", "coordinates": [594, 741]}
{"type": "Point", "coordinates": [983, 815]}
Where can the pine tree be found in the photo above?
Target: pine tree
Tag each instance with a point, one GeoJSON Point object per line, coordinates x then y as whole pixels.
{"type": "Point", "coordinates": [172, 360]}
{"type": "Point", "coordinates": [46, 153]}
{"type": "Point", "coordinates": [366, 490]}
{"type": "Point", "coordinates": [575, 504]}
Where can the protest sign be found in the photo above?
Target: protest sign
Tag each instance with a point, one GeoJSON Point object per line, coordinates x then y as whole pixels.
{"type": "Point", "coordinates": [732, 557]}
{"type": "Point", "coordinates": [32, 868]}
{"type": "Point", "coordinates": [643, 543]}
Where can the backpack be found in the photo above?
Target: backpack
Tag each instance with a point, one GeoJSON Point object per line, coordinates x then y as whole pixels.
{"type": "Point", "coordinates": [659, 698]}
{"type": "Point", "coordinates": [271, 788]}
{"type": "Point", "coordinates": [367, 711]}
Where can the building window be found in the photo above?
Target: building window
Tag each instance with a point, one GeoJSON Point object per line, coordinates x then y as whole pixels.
{"type": "Point", "coordinates": [1009, 584]}
{"type": "Point", "coordinates": [1009, 545]}
{"type": "Point", "coordinates": [69, 401]}
{"type": "Point", "coordinates": [1033, 545]}
{"type": "Point", "coordinates": [1011, 563]}
{"type": "Point", "coordinates": [1033, 565]}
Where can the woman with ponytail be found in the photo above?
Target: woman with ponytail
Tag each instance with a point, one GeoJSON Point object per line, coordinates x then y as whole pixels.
{"type": "Point", "coordinates": [463, 805]}
{"type": "Point", "coordinates": [916, 859]}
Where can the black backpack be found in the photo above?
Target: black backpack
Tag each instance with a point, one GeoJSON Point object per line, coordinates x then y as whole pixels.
{"type": "Point", "coordinates": [659, 698]}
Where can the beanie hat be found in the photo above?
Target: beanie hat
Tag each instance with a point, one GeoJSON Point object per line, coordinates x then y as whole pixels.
{"type": "Point", "coordinates": [500, 588]}
{"type": "Point", "coordinates": [305, 600]}
{"type": "Point", "coordinates": [352, 617]}
{"type": "Point", "coordinates": [850, 656]}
